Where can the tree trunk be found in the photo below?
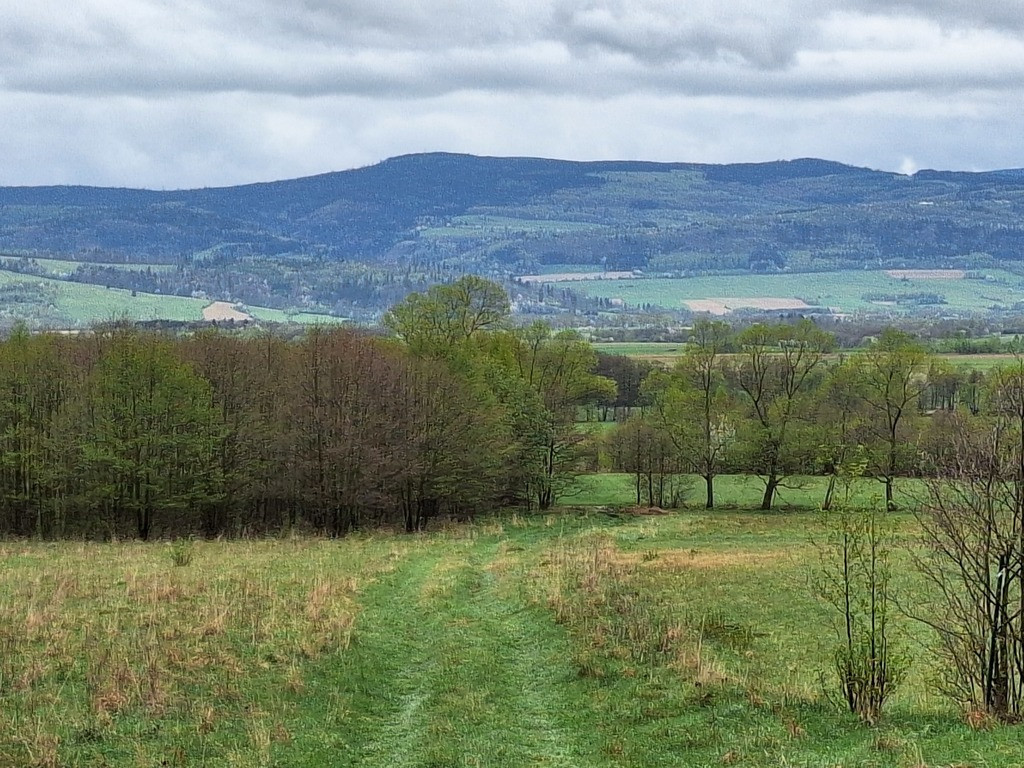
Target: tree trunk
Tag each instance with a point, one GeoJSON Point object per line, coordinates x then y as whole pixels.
{"type": "Point", "coordinates": [709, 484]}
{"type": "Point", "coordinates": [769, 492]}
{"type": "Point", "coordinates": [829, 493]}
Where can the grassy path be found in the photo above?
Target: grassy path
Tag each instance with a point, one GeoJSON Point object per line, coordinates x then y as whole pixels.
{"type": "Point", "coordinates": [242, 660]}
{"type": "Point", "coordinates": [453, 668]}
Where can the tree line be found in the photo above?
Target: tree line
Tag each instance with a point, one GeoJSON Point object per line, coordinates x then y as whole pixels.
{"type": "Point", "coordinates": [125, 433]}
{"type": "Point", "coordinates": [779, 401]}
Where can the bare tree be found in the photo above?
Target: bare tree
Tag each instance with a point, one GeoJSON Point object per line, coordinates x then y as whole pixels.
{"type": "Point", "coordinates": [973, 557]}
{"type": "Point", "coordinates": [854, 579]}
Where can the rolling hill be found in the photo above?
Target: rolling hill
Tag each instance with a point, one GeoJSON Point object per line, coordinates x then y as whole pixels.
{"type": "Point", "coordinates": [353, 242]}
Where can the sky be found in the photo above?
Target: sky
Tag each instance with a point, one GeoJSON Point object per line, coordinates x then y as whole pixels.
{"type": "Point", "coordinates": [190, 93]}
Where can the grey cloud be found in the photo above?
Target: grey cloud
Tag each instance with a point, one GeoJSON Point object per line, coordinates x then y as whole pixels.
{"type": "Point", "coordinates": [185, 92]}
{"type": "Point", "coordinates": [419, 49]}
{"type": "Point", "coordinates": [996, 14]}
{"type": "Point", "coordinates": [664, 32]}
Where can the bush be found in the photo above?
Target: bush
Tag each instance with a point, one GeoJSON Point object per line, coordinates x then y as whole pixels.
{"type": "Point", "coordinates": [181, 553]}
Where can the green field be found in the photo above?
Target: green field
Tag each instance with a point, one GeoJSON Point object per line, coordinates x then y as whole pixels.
{"type": "Point", "coordinates": [842, 291]}
{"type": "Point", "coordinates": [50, 303]}
{"type": "Point", "coordinates": [731, 491]}
{"type": "Point", "coordinates": [668, 352]}
{"type": "Point", "coordinates": [572, 639]}
{"type": "Point", "coordinates": [641, 348]}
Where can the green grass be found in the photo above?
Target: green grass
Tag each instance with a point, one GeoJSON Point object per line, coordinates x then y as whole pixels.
{"type": "Point", "coordinates": [731, 491]}
{"type": "Point", "coordinates": [78, 304]}
{"type": "Point", "coordinates": [985, 362]}
{"type": "Point", "coordinates": [283, 316]}
{"type": "Point", "coordinates": [595, 427]}
{"type": "Point", "coordinates": [667, 352]}
{"type": "Point", "coordinates": [112, 655]}
{"type": "Point", "coordinates": [561, 269]}
{"type": "Point", "coordinates": [46, 302]}
{"type": "Point", "coordinates": [843, 291]}
{"type": "Point", "coordinates": [570, 639]}
{"type": "Point", "coordinates": [641, 348]}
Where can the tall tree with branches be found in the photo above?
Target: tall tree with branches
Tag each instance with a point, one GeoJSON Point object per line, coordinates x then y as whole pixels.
{"type": "Point", "coordinates": [972, 523]}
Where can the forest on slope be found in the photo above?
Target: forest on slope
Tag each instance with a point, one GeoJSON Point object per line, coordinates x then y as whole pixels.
{"type": "Point", "coordinates": [355, 242]}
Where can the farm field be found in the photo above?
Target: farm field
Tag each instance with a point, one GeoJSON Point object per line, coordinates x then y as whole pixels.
{"type": "Point", "coordinates": [45, 302]}
{"type": "Point", "coordinates": [667, 353]}
{"type": "Point", "coordinates": [512, 642]}
{"type": "Point", "coordinates": [841, 291]}
{"type": "Point", "coordinates": [641, 348]}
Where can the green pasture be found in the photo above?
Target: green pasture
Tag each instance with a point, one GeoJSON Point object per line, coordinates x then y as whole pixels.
{"type": "Point", "coordinates": [667, 352]}
{"type": "Point", "coordinates": [561, 269]}
{"type": "Point", "coordinates": [51, 303]}
{"type": "Point", "coordinates": [81, 304]}
{"type": "Point", "coordinates": [578, 639]}
{"type": "Point", "coordinates": [842, 291]}
{"type": "Point", "coordinates": [641, 348]}
{"type": "Point", "coordinates": [284, 316]}
{"type": "Point", "coordinates": [804, 492]}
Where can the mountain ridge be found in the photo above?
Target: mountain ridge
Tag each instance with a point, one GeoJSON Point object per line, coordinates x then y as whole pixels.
{"type": "Point", "coordinates": [336, 239]}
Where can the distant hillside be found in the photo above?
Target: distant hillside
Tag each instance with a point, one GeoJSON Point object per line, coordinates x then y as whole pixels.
{"type": "Point", "coordinates": [360, 238]}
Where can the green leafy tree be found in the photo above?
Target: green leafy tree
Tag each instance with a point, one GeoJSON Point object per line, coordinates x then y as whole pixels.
{"type": "Point", "coordinates": [34, 382]}
{"type": "Point", "coordinates": [643, 448]}
{"type": "Point", "coordinates": [559, 369]}
{"type": "Point", "coordinates": [693, 405]}
{"type": "Point", "coordinates": [776, 372]}
{"type": "Point", "coordinates": [437, 322]}
{"type": "Point", "coordinates": [149, 437]}
{"type": "Point", "coordinates": [891, 377]}
{"type": "Point", "coordinates": [839, 425]}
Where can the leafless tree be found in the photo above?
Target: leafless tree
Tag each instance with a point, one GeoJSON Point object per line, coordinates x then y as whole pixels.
{"type": "Point", "coordinates": [972, 521]}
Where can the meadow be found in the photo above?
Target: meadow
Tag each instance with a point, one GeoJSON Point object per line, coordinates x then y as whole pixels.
{"type": "Point", "coordinates": [842, 291]}
{"type": "Point", "coordinates": [666, 353]}
{"type": "Point", "coordinates": [593, 636]}
{"type": "Point", "coordinates": [53, 303]}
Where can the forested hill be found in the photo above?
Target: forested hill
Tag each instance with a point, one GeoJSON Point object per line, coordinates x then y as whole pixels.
{"type": "Point", "coordinates": [439, 213]}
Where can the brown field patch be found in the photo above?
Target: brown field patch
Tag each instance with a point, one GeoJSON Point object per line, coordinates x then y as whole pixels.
{"type": "Point", "coordinates": [927, 274]}
{"type": "Point", "coordinates": [224, 310]}
{"type": "Point", "coordinates": [724, 306]}
{"type": "Point", "coordinates": [682, 559]}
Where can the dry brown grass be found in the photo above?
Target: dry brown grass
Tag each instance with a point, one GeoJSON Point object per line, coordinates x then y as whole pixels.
{"type": "Point", "coordinates": [602, 592]}
{"type": "Point", "coordinates": [681, 559]}
{"type": "Point", "coordinates": [224, 310]}
{"type": "Point", "coordinates": [93, 634]}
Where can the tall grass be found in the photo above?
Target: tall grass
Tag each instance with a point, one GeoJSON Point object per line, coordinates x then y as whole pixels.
{"type": "Point", "coordinates": [98, 641]}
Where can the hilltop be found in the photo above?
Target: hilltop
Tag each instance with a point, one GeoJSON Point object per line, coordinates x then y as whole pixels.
{"type": "Point", "coordinates": [353, 241]}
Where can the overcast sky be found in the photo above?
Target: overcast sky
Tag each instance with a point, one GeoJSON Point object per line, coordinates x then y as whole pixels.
{"type": "Point", "coordinates": [183, 93]}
